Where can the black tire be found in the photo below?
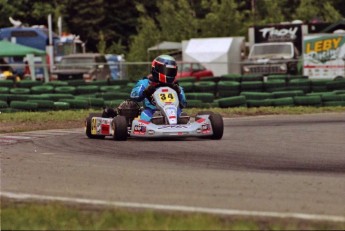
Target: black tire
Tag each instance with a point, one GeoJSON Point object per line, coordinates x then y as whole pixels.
{"type": "Point", "coordinates": [88, 127]}
{"type": "Point", "coordinates": [217, 126]}
{"type": "Point", "coordinates": [120, 128]}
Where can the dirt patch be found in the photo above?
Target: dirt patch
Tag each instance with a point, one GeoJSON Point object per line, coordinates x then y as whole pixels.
{"type": "Point", "coordinates": [20, 127]}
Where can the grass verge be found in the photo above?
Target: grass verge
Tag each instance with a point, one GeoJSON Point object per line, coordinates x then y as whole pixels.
{"type": "Point", "coordinates": [57, 216]}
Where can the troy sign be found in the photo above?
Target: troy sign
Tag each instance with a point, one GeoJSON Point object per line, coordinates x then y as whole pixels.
{"type": "Point", "coordinates": [273, 32]}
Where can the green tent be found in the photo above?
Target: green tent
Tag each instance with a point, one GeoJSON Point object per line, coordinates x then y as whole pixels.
{"type": "Point", "coordinates": [8, 49]}
{"type": "Point", "coordinates": [11, 49]}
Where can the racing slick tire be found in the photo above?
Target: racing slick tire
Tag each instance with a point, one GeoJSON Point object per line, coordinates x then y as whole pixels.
{"type": "Point", "coordinates": [88, 126]}
{"type": "Point", "coordinates": [120, 128]}
{"type": "Point", "coordinates": [217, 126]}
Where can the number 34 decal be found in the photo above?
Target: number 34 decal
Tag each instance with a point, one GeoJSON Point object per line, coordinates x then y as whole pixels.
{"type": "Point", "coordinates": [167, 97]}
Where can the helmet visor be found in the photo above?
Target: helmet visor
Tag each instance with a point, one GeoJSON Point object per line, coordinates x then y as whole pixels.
{"type": "Point", "coordinates": [167, 70]}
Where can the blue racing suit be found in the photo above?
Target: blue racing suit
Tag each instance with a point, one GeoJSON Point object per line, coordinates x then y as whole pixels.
{"type": "Point", "coordinates": [138, 96]}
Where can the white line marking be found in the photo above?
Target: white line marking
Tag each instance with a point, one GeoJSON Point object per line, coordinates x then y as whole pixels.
{"type": "Point", "coordinates": [304, 216]}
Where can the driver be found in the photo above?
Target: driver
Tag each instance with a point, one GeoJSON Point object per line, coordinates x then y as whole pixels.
{"type": "Point", "coordinates": [163, 72]}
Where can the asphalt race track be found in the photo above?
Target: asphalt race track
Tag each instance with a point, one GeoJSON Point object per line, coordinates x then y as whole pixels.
{"type": "Point", "coordinates": [267, 164]}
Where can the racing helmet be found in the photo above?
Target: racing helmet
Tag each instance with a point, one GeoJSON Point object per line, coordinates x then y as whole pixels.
{"type": "Point", "coordinates": [164, 69]}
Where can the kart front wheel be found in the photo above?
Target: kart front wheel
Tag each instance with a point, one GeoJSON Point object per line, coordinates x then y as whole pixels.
{"type": "Point", "coordinates": [120, 128]}
{"type": "Point", "coordinates": [217, 126]}
{"type": "Point", "coordinates": [88, 122]}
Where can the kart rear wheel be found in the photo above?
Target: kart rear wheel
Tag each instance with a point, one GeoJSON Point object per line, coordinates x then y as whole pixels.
{"type": "Point", "coordinates": [217, 126]}
{"type": "Point", "coordinates": [120, 128]}
{"type": "Point", "coordinates": [88, 127]}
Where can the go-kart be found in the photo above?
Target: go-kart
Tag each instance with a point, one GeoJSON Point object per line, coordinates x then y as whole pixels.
{"type": "Point", "coordinates": [125, 121]}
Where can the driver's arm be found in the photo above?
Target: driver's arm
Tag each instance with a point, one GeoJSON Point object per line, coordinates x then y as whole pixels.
{"type": "Point", "coordinates": [137, 92]}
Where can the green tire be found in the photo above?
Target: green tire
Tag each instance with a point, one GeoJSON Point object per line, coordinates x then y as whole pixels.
{"type": "Point", "coordinates": [42, 104]}
{"type": "Point", "coordinates": [205, 86]}
{"type": "Point", "coordinates": [3, 104]}
{"type": "Point", "coordinates": [28, 83]}
{"type": "Point", "coordinates": [66, 89]}
{"type": "Point", "coordinates": [257, 95]}
{"type": "Point", "coordinates": [307, 101]}
{"type": "Point", "coordinates": [23, 105]}
{"type": "Point", "coordinates": [112, 88]}
{"type": "Point", "coordinates": [76, 103]}
{"type": "Point", "coordinates": [20, 91]}
{"type": "Point", "coordinates": [42, 89]}
{"type": "Point", "coordinates": [283, 94]}
{"type": "Point", "coordinates": [234, 101]}
{"type": "Point", "coordinates": [87, 89]}
{"type": "Point", "coordinates": [61, 106]}
{"type": "Point", "coordinates": [252, 86]}
{"type": "Point", "coordinates": [279, 102]}
{"type": "Point", "coordinates": [4, 90]}
{"type": "Point", "coordinates": [203, 97]}
{"type": "Point", "coordinates": [228, 85]}
{"type": "Point", "coordinates": [259, 103]}
{"type": "Point", "coordinates": [6, 83]}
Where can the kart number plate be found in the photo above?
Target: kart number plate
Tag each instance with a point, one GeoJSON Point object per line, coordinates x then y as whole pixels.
{"type": "Point", "coordinates": [166, 97]}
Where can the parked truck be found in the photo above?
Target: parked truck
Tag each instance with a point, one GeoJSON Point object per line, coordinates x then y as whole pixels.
{"type": "Point", "coordinates": [276, 49]}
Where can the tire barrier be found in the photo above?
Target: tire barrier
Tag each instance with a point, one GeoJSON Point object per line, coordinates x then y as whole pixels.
{"type": "Point", "coordinates": [187, 79]}
{"type": "Point", "coordinates": [231, 77]}
{"type": "Point", "coordinates": [194, 103]}
{"type": "Point", "coordinates": [42, 104]}
{"type": "Point", "coordinates": [283, 94]}
{"type": "Point", "coordinates": [20, 91]}
{"type": "Point", "coordinates": [277, 77]}
{"type": "Point", "coordinates": [99, 83]}
{"type": "Point", "coordinates": [17, 97]}
{"type": "Point", "coordinates": [27, 83]}
{"type": "Point", "coordinates": [338, 84]}
{"type": "Point", "coordinates": [3, 104]}
{"type": "Point", "coordinates": [252, 86]}
{"type": "Point", "coordinates": [332, 97]}
{"type": "Point", "coordinates": [274, 85]}
{"type": "Point", "coordinates": [259, 103]}
{"type": "Point", "coordinates": [319, 85]}
{"type": "Point", "coordinates": [76, 82]}
{"type": "Point", "coordinates": [205, 86]}
{"type": "Point", "coordinates": [61, 106]}
{"type": "Point", "coordinates": [299, 84]}
{"type": "Point", "coordinates": [119, 82]}
{"type": "Point", "coordinates": [76, 103]}
{"type": "Point", "coordinates": [113, 88]}
{"type": "Point", "coordinates": [113, 95]}
{"type": "Point", "coordinates": [210, 78]}
{"type": "Point", "coordinates": [203, 97]}
{"type": "Point", "coordinates": [92, 101]}
{"type": "Point", "coordinates": [42, 89]}
{"type": "Point", "coordinates": [307, 100]}
{"type": "Point", "coordinates": [187, 86]}
{"type": "Point", "coordinates": [283, 102]}
{"type": "Point", "coordinates": [4, 90]}
{"type": "Point", "coordinates": [86, 89]}
{"type": "Point", "coordinates": [58, 96]}
{"type": "Point", "coordinates": [39, 97]}
{"type": "Point", "coordinates": [56, 83]}
{"type": "Point", "coordinates": [66, 89]}
{"type": "Point", "coordinates": [23, 105]}
{"type": "Point", "coordinates": [252, 78]}
{"type": "Point", "coordinates": [6, 83]}
{"type": "Point", "coordinates": [4, 97]}
{"type": "Point", "coordinates": [257, 95]}
{"type": "Point", "coordinates": [235, 101]}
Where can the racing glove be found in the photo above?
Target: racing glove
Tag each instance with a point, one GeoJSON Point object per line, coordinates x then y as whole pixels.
{"type": "Point", "coordinates": [149, 91]}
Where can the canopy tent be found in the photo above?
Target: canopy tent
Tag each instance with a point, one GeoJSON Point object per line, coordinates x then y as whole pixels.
{"type": "Point", "coordinates": [166, 46]}
{"type": "Point", "coordinates": [222, 55]}
{"type": "Point", "coordinates": [172, 46]}
{"type": "Point", "coordinates": [8, 49]}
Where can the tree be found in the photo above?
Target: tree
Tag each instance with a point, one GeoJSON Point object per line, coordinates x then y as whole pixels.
{"type": "Point", "coordinates": [85, 18]}
{"type": "Point", "coordinates": [223, 19]}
